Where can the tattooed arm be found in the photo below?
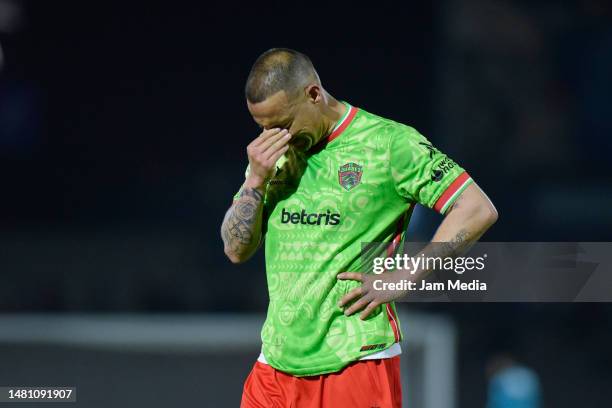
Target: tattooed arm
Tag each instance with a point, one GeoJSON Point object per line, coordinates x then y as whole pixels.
{"type": "Point", "coordinates": [470, 216]}
{"type": "Point", "coordinates": [241, 227]}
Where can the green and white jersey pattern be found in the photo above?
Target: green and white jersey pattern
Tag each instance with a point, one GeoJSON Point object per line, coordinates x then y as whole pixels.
{"type": "Point", "coordinates": [359, 185]}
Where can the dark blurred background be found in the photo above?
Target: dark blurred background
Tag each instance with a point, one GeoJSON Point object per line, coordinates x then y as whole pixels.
{"type": "Point", "coordinates": [123, 130]}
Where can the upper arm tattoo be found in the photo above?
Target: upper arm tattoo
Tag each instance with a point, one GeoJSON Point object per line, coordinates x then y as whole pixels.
{"type": "Point", "coordinates": [458, 203]}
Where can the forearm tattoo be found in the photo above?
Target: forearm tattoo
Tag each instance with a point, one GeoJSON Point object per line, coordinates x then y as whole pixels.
{"type": "Point", "coordinates": [240, 220]}
{"type": "Point", "coordinates": [455, 246]}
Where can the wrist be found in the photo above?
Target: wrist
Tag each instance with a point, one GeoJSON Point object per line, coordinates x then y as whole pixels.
{"type": "Point", "coordinates": [410, 274]}
{"type": "Point", "coordinates": [256, 183]}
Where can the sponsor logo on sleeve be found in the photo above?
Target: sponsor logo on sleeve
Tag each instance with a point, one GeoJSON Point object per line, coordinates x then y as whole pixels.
{"type": "Point", "coordinates": [436, 175]}
{"type": "Point", "coordinates": [442, 169]}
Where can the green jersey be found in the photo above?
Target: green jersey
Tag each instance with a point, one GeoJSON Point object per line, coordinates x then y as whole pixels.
{"type": "Point", "coordinates": [359, 185]}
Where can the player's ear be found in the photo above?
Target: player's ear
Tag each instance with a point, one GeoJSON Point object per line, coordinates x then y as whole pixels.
{"type": "Point", "coordinates": [314, 93]}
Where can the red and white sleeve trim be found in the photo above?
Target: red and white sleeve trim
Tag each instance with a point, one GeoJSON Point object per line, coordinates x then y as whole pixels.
{"type": "Point", "coordinates": [452, 192]}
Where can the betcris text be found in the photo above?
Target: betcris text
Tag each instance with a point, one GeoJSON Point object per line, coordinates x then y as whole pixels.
{"type": "Point", "coordinates": [326, 218]}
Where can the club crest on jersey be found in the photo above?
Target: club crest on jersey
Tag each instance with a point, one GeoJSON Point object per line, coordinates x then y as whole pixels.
{"type": "Point", "coordinates": [349, 175]}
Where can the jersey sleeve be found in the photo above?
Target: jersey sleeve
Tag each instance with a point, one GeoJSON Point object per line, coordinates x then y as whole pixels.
{"type": "Point", "coordinates": [421, 173]}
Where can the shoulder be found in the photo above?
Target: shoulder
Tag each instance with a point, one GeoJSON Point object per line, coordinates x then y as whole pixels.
{"type": "Point", "coordinates": [384, 132]}
{"type": "Point", "coordinates": [390, 127]}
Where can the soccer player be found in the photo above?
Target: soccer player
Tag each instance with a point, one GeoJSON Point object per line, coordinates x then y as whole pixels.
{"type": "Point", "coordinates": [323, 177]}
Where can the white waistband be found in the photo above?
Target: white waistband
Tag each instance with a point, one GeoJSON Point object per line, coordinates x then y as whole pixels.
{"type": "Point", "coordinates": [394, 350]}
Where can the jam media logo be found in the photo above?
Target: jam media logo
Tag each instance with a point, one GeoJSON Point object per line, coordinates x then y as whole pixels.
{"type": "Point", "coordinates": [349, 175]}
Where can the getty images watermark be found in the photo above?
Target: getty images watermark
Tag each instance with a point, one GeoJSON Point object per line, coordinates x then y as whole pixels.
{"type": "Point", "coordinates": [422, 262]}
{"type": "Point", "coordinates": [492, 271]}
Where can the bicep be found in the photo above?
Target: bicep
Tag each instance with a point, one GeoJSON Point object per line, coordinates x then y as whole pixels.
{"type": "Point", "coordinates": [473, 198]}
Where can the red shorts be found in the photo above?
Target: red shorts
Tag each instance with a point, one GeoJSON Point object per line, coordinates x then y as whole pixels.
{"type": "Point", "coordinates": [362, 384]}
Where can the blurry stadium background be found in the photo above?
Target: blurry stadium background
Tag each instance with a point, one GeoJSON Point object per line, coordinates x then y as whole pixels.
{"type": "Point", "coordinates": [122, 139]}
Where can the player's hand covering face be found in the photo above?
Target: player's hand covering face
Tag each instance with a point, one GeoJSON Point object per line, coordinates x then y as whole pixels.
{"type": "Point", "coordinates": [297, 114]}
{"type": "Point", "coordinates": [264, 151]}
{"type": "Point", "coordinates": [365, 297]}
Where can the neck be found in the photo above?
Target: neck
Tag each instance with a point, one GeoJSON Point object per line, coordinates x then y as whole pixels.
{"type": "Point", "coordinates": [332, 111]}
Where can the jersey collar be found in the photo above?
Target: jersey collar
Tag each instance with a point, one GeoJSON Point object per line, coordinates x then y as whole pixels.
{"type": "Point", "coordinates": [343, 123]}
